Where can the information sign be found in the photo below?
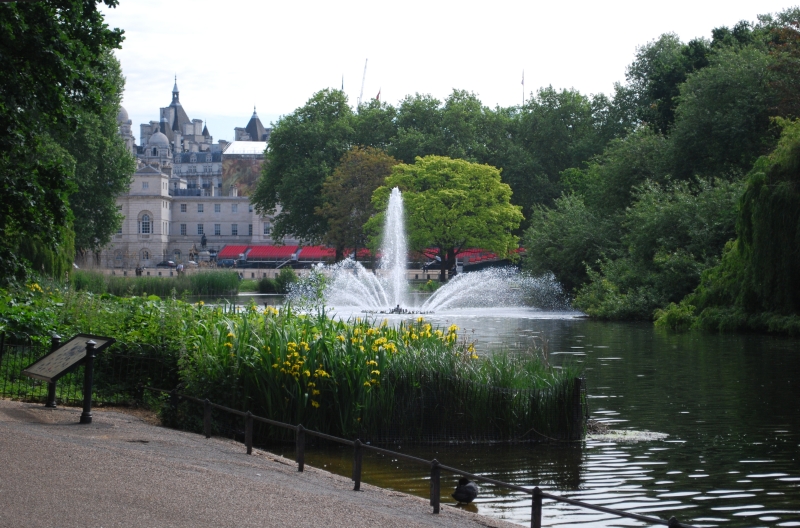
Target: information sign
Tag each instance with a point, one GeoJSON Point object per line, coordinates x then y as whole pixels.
{"type": "Point", "coordinates": [65, 358]}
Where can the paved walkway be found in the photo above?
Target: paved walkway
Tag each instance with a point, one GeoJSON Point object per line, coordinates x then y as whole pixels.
{"type": "Point", "coordinates": [122, 471]}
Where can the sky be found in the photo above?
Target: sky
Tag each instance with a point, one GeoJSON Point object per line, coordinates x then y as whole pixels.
{"type": "Point", "coordinates": [230, 57]}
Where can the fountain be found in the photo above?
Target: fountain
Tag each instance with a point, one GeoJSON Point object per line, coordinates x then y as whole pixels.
{"type": "Point", "coordinates": [386, 291]}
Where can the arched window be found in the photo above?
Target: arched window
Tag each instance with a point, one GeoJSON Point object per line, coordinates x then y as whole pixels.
{"type": "Point", "coordinates": [176, 256]}
{"type": "Point", "coordinates": [145, 227]}
{"type": "Point", "coordinates": [155, 152]}
{"type": "Point", "coordinates": [145, 254]}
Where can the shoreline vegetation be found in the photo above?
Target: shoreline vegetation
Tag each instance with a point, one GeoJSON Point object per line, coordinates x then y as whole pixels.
{"type": "Point", "coordinates": [361, 378]}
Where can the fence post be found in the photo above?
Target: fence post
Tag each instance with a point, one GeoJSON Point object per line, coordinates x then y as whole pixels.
{"type": "Point", "coordinates": [248, 432]}
{"type": "Point", "coordinates": [88, 379]}
{"type": "Point", "coordinates": [207, 418]}
{"type": "Point", "coordinates": [357, 455]}
{"type": "Point", "coordinates": [301, 448]}
{"type": "Point", "coordinates": [435, 485]}
{"type": "Point", "coordinates": [55, 342]}
{"type": "Point", "coordinates": [536, 510]}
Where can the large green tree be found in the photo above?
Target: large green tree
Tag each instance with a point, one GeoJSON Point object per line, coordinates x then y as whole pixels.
{"type": "Point", "coordinates": [103, 171]}
{"type": "Point", "coordinates": [453, 204]}
{"type": "Point", "coordinates": [52, 58]}
{"type": "Point", "coordinates": [304, 149]}
{"type": "Point", "coordinates": [347, 196]}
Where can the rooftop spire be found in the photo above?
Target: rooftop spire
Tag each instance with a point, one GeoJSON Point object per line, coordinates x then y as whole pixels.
{"type": "Point", "coordinates": [175, 91]}
{"type": "Point", "coordinates": [254, 111]}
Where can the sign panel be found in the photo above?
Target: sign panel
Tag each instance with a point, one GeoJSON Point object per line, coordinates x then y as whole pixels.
{"type": "Point", "coordinates": [67, 357]}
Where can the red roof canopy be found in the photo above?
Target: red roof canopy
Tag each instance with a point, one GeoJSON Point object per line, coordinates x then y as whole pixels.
{"type": "Point", "coordinates": [316, 253]}
{"type": "Point", "coordinates": [271, 252]}
{"type": "Point", "coordinates": [232, 252]}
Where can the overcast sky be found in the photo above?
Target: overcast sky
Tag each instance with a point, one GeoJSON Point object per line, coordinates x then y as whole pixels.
{"type": "Point", "coordinates": [231, 56]}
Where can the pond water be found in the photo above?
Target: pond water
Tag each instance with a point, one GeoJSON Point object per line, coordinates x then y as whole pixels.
{"type": "Point", "coordinates": [727, 404]}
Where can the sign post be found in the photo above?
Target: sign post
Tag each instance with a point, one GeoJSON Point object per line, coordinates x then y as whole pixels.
{"type": "Point", "coordinates": [64, 359]}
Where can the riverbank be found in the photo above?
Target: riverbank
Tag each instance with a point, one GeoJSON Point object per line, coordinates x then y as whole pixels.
{"type": "Point", "coordinates": [122, 471]}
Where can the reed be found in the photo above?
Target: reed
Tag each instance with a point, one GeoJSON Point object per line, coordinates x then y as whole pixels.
{"type": "Point", "coordinates": [221, 282]}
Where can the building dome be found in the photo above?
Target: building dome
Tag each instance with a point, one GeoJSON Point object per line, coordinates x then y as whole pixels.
{"type": "Point", "coordinates": [122, 116]}
{"type": "Point", "coordinates": [158, 140]}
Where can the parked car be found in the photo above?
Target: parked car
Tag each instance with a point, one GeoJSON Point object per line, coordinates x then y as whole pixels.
{"type": "Point", "coordinates": [226, 263]}
{"type": "Point", "coordinates": [166, 264]}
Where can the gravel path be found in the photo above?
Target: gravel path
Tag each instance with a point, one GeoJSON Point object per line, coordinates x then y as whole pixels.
{"type": "Point", "coordinates": [123, 471]}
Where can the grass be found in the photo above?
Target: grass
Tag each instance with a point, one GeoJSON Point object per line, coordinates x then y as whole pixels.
{"type": "Point", "coordinates": [219, 282]}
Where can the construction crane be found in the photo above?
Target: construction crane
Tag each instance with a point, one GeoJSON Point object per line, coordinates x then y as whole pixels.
{"type": "Point", "coordinates": [364, 78]}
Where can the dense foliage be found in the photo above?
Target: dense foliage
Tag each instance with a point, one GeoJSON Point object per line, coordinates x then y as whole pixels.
{"type": "Point", "coordinates": [756, 286]}
{"type": "Point", "coordinates": [59, 86]}
{"type": "Point", "coordinates": [356, 378]}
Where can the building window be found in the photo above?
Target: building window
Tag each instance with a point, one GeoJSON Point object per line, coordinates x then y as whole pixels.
{"type": "Point", "coordinates": [234, 208]}
{"type": "Point", "coordinates": [155, 152]}
{"type": "Point", "coordinates": [267, 228]}
{"type": "Point", "coordinates": [217, 229]}
{"type": "Point", "coordinates": [119, 230]}
{"type": "Point", "coordinates": [217, 208]}
{"type": "Point", "coordinates": [249, 208]}
{"type": "Point", "coordinates": [249, 229]}
{"type": "Point", "coordinates": [144, 224]}
{"type": "Point", "coordinates": [199, 208]}
{"type": "Point", "coordinates": [199, 229]}
{"type": "Point", "coordinates": [235, 229]}
{"type": "Point", "coordinates": [176, 256]}
{"type": "Point", "coordinates": [145, 255]}
{"type": "Point", "coordinates": [183, 208]}
{"type": "Point", "coordinates": [183, 229]}
{"type": "Point", "coordinates": [145, 185]}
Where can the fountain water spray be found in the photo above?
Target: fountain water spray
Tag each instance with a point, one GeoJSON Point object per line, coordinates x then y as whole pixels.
{"type": "Point", "coordinates": [349, 284]}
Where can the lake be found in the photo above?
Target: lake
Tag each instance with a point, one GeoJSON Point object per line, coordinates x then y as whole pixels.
{"type": "Point", "coordinates": [726, 406]}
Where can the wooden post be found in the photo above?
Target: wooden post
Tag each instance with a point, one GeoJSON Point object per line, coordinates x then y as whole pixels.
{"type": "Point", "coordinates": [207, 418]}
{"type": "Point", "coordinates": [536, 510]}
{"type": "Point", "coordinates": [357, 456]}
{"type": "Point", "coordinates": [301, 448]}
{"type": "Point", "coordinates": [435, 485]}
{"type": "Point", "coordinates": [55, 342]}
{"type": "Point", "coordinates": [88, 379]}
{"type": "Point", "coordinates": [248, 432]}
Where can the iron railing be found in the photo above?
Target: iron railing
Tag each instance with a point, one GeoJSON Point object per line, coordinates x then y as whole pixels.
{"type": "Point", "coordinates": [537, 495]}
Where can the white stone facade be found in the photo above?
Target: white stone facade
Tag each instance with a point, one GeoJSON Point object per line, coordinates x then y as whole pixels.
{"type": "Point", "coordinates": [177, 197]}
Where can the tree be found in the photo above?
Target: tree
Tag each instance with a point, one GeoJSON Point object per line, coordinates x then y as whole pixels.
{"type": "Point", "coordinates": [103, 171]}
{"type": "Point", "coordinates": [347, 196]}
{"type": "Point", "coordinates": [655, 76]}
{"type": "Point", "coordinates": [51, 56]}
{"type": "Point", "coordinates": [452, 204]}
{"type": "Point", "coordinates": [303, 150]}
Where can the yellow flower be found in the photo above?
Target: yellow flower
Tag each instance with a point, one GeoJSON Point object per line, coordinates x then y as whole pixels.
{"type": "Point", "coordinates": [340, 337]}
{"type": "Point", "coordinates": [306, 373]}
{"type": "Point", "coordinates": [230, 335]}
{"type": "Point", "coordinates": [274, 365]}
{"type": "Point", "coordinates": [315, 392]}
{"type": "Point", "coordinates": [372, 362]}
{"type": "Point", "coordinates": [453, 328]}
{"type": "Point", "coordinates": [314, 403]}
{"type": "Point", "coordinates": [366, 384]}
{"type": "Point", "coordinates": [474, 356]}
{"type": "Point", "coordinates": [229, 345]}
{"type": "Point", "coordinates": [420, 319]}
{"type": "Point", "coordinates": [376, 372]}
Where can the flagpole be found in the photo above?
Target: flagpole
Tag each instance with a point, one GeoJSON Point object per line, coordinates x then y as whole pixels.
{"type": "Point", "coordinates": [523, 87]}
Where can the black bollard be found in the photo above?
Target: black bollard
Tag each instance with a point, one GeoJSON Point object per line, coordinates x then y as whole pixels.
{"type": "Point", "coordinates": [55, 342]}
{"type": "Point", "coordinates": [88, 371]}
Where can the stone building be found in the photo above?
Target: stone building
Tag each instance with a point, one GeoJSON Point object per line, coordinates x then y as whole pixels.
{"type": "Point", "coordinates": [188, 190]}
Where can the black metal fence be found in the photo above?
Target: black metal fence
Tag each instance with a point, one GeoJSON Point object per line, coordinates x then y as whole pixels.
{"type": "Point", "coordinates": [120, 373]}
{"type": "Point", "coordinates": [434, 466]}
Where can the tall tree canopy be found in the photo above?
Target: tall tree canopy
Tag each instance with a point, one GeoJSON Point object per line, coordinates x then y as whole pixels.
{"type": "Point", "coordinates": [304, 149]}
{"type": "Point", "coordinates": [453, 204]}
{"type": "Point", "coordinates": [53, 58]}
{"type": "Point", "coordinates": [347, 196]}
